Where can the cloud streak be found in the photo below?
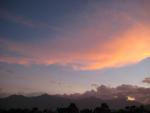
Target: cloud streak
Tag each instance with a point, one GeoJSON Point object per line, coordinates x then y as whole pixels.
{"type": "Point", "coordinates": [30, 23]}
{"type": "Point", "coordinates": [17, 19]}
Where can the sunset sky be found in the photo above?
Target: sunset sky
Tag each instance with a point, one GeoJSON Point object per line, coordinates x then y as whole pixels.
{"type": "Point", "coordinates": [71, 46]}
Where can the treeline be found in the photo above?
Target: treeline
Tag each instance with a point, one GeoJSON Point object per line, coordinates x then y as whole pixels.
{"type": "Point", "coordinates": [72, 108]}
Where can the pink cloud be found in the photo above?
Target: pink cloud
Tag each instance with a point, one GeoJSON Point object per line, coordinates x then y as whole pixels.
{"type": "Point", "coordinates": [89, 46]}
{"type": "Point", "coordinates": [126, 48]}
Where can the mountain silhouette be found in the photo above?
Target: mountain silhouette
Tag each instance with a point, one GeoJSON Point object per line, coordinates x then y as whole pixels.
{"type": "Point", "coordinates": [53, 101]}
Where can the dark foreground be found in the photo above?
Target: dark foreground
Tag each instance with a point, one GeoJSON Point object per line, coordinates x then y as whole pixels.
{"type": "Point", "coordinates": [72, 108]}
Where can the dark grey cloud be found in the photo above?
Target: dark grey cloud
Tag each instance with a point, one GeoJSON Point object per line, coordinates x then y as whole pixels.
{"type": "Point", "coordinates": [95, 85]}
{"type": "Point", "coordinates": [146, 80]}
{"type": "Point", "coordinates": [141, 94]}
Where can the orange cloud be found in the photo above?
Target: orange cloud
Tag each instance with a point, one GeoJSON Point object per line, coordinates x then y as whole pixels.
{"type": "Point", "coordinates": [129, 47]}
{"type": "Point", "coordinates": [85, 47]}
{"type": "Point", "coordinates": [126, 47]}
{"type": "Point", "coordinates": [14, 60]}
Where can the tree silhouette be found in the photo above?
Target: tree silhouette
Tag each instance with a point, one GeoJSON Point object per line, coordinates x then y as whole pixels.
{"type": "Point", "coordinates": [103, 109]}
{"type": "Point", "coordinates": [72, 108]}
{"type": "Point", "coordinates": [86, 111]}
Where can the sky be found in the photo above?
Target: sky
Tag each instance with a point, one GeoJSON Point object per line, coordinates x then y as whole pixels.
{"type": "Point", "coordinates": [73, 46]}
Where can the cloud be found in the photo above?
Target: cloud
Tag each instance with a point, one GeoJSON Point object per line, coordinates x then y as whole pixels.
{"type": "Point", "coordinates": [3, 94]}
{"type": "Point", "coordinates": [28, 22]}
{"type": "Point", "coordinates": [104, 39]}
{"type": "Point", "coordinates": [146, 80]}
{"type": "Point", "coordinates": [95, 85]}
{"type": "Point", "coordinates": [17, 19]}
{"type": "Point", "coordinates": [66, 51]}
{"type": "Point", "coordinates": [123, 91]}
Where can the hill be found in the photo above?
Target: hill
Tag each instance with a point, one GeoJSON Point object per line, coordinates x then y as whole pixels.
{"type": "Point", "coordinates": [54, 101]}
